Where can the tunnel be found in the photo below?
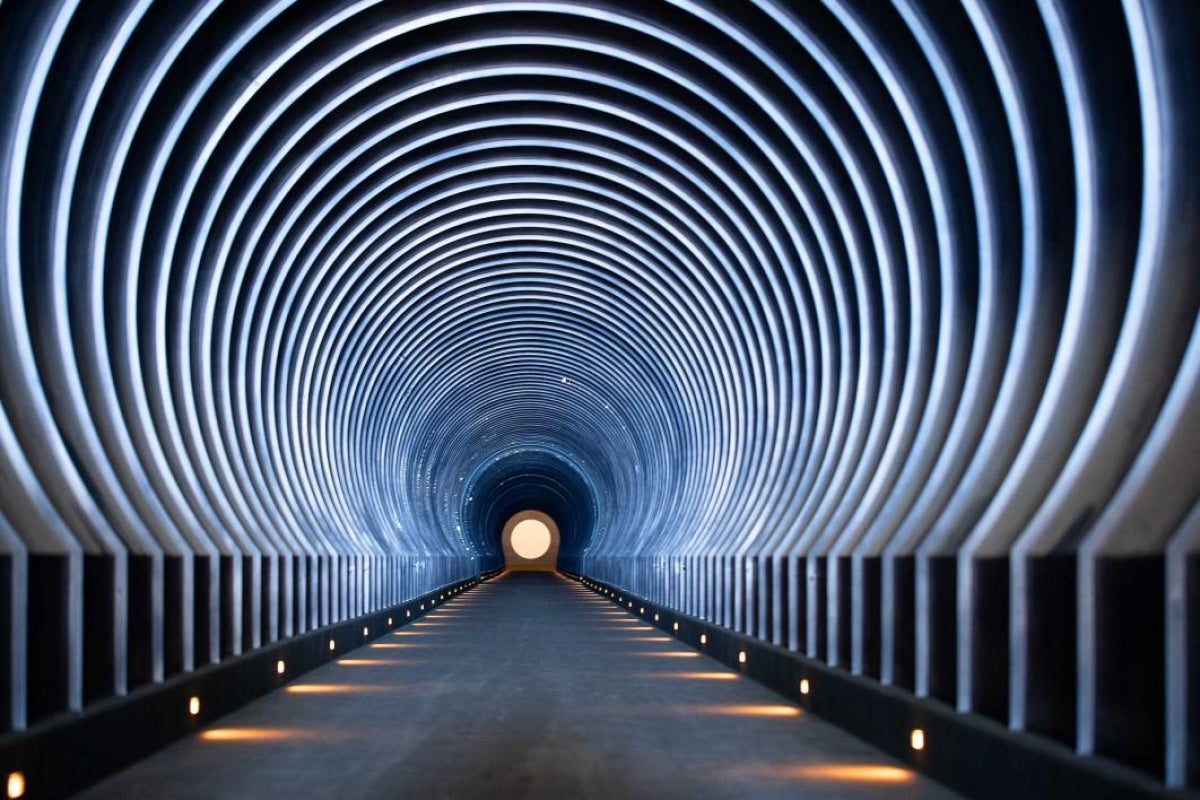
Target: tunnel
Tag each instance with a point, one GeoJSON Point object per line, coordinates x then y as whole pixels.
{"type": "Point", "coordinates": [847, 353]}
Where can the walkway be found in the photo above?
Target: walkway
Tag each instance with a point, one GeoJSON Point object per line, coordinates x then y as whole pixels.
{"type": "Point", "coordinates": [526, 687]}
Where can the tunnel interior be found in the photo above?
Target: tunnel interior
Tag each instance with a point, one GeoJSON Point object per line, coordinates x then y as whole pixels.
{"type": "Point", "coordinates": [532, 479]}
{"type": "Point", "coordinates": [861, 338]}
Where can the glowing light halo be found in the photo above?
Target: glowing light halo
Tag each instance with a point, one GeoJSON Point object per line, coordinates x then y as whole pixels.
{"type": "Point", "coordinates": [531, 539]}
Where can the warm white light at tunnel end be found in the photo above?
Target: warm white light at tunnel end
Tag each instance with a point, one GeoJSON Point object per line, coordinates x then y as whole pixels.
{"type": "Point", "coordinates": [531, 539]}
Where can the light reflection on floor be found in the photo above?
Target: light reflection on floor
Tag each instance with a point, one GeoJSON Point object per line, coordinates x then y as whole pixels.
{"type": "Point", "coordinates": [623, 629]}
{"type": "Point", "coordinates": [669, 654]}
{"type": "Point", "coordinates": [339, 688]}
{"type": "Point", "coordinates": [689, 676]}
{"type": "Point", "coordinates": [740, 710]}
{"type": "Point", "coordinates": [865, 774]}
{"type": "Point", "coordinates": [256, 734]}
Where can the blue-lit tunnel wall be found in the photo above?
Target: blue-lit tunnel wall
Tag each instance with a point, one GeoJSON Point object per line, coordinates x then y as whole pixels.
{"type": "Point", "coordinates": [868, 329]}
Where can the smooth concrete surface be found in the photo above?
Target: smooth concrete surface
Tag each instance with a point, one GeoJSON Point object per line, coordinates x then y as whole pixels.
{"type": "Point", "coordinates": [528, 686]}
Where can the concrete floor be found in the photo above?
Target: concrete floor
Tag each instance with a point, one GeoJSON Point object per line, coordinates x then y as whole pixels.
{"type": "Point", "coordinates": [525, 687]}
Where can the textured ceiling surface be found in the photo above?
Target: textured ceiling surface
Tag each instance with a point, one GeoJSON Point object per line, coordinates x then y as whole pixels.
{"type": "Point", "coordinates": [746, 278]}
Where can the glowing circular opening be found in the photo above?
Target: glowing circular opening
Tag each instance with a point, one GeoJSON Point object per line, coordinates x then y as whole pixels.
{"type": "Point", "coordinates": [530, 539]}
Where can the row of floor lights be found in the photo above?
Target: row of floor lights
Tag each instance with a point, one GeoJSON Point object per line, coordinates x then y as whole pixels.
{"type": "Point", "coordinates": [16, 780]}
{"type": "Point", "coordinates": [15, 785]}
{"type": "Point", "coordinates": [916, 738]}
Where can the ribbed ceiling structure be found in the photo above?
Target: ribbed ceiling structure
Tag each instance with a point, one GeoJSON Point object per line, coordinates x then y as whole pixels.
{"type": "Point", "coordinates": [783, 311]}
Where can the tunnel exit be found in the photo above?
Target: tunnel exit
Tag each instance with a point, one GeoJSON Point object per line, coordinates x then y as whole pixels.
{"type": "Point", "coordinates": [530, 541]}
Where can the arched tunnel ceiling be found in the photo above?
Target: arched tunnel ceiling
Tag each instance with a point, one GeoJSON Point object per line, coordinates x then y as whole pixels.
{"type": "Point", "coordinates": [777, 278]}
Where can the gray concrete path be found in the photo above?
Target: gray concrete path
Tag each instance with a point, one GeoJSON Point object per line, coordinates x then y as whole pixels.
{"type": "Point", "coordinates": [526, 687]}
